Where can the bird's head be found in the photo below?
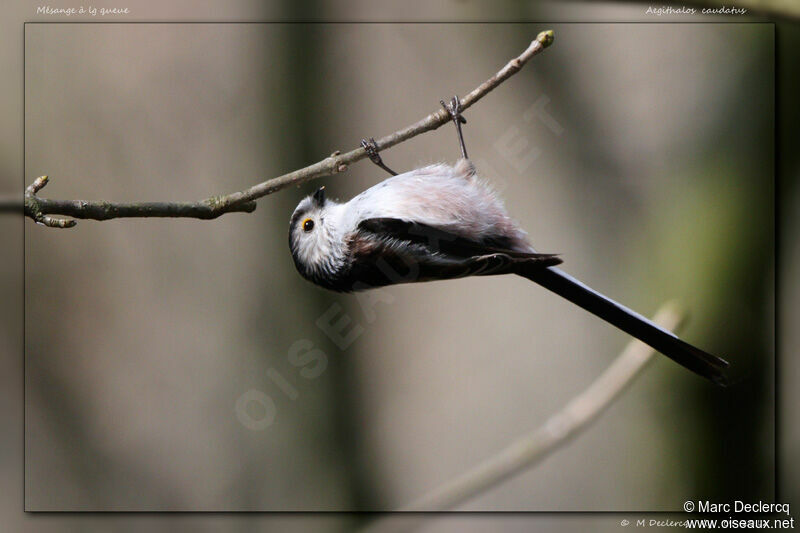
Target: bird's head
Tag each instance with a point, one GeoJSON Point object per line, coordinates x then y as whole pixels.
{"type": "Point", "coordinates": [315, 246]}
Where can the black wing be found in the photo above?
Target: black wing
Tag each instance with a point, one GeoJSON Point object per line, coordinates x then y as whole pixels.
{"type": "Point", "coordinates": [441, 241]}
{"type": "Point", "coordinates": [387, 251]}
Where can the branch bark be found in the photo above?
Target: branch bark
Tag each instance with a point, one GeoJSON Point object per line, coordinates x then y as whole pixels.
{"type": "Point", "coordinates": [557, 431]}
{"type": "Point", "coordinates": [41, 209]}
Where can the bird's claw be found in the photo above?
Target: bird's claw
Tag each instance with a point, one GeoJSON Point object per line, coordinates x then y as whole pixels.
{"type": "Point", "coordinates": [371, 148]}
{"type": "Point", "coordinates": [454, 109]}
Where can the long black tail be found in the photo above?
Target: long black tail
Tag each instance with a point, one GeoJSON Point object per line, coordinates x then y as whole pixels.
{"type": "Point", "coordinates": [629, 321]}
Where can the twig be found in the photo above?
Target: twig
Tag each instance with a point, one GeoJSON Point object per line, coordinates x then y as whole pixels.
{"type": "Point", "coordinates": [38, 209]}
{"type": "Point", "coordinates": [33, 206]}
{"type": "Point", "coordinates": [532, 448]}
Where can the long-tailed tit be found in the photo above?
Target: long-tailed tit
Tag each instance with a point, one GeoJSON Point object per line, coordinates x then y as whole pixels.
{"type": "Point", "coordinates": [442, 222]}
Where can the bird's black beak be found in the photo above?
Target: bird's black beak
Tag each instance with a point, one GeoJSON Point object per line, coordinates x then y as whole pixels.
{"type": "Point", "coordinates": [319, 196]}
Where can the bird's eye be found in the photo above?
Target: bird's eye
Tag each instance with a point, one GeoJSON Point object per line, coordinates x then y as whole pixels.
{"type": "Point", "coordinates": [308, 225]}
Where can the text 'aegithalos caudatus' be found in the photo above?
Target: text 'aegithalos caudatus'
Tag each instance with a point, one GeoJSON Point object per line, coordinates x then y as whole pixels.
{"type": "Point", "coordinates": [442, 222]}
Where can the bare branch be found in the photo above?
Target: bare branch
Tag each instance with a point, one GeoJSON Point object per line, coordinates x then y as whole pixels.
{"type": "Point", "coordinates": [557, 431]}
{"type": "Point", "coordinates": [33, 206]}
{"type": "Point", "coordinates": [39, 209]}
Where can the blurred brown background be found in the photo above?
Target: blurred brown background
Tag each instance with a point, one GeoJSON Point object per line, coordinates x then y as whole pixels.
{"type": "Point", "coordinates": [642, 153]}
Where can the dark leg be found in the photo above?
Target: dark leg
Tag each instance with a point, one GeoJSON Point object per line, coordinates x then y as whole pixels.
{"type": "Point", "coordinates": [372, 151]}
{"type": "Point", "coordinates": [454, 108]}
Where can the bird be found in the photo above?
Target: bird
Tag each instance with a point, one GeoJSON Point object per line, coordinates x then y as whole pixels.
{"type": "Point", "coordinates": [442, 222]}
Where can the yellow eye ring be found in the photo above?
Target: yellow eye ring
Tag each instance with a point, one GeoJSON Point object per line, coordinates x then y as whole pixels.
{"type": "Point", "coordinates": [308, 225]}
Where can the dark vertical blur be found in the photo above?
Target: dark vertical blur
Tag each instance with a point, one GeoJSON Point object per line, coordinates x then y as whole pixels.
{"type": "Point", "coordinates": [788, 235]}
{"type": "Point", "coordinates": [740, 420]}
{"type": "Point", "coordinates": [313, 135]}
